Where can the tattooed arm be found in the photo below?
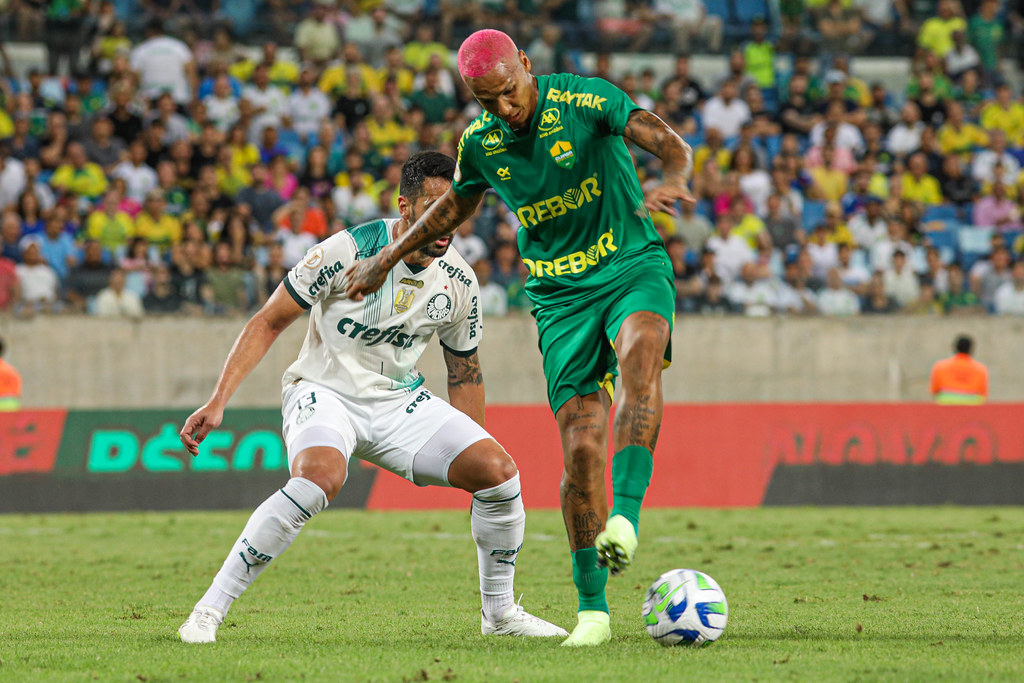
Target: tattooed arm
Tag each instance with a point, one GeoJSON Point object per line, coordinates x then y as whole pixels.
{"type": "Point", "coordinates": [648, 132]}
{"type": "Point", "coordinates": [366, 276]}
{"type": "Point", "coordinates": [465, 384]}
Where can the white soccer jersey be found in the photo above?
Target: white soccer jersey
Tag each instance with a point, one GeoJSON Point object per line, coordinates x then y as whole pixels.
{"type": "Point", "coordinates": [369, 348]}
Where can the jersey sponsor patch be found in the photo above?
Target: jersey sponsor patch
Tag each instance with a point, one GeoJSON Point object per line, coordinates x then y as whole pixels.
{"type": "Point", "coordinates": [314, 258]}
{"type": "Point", "coordinates": [403, 300]}
{"type": "Point", "coordinates": [439, 306]}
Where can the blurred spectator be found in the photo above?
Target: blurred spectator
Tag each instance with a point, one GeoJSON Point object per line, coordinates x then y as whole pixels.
{"type": "Point", "coordinates": [997, 210]}
{"type": "Point", "coordinates": [986, 33]}
{"type": "Point", "coordinates": [759, 54]}
{"type": "Point", "coordinates": [374, 32]}
{"type": "Point", "coordinates": [78, 176]}
{"type": "Point", "coordinates": [38, 282]}
{"type": "Point", "coordinates": [936, 34]}
{"type": "Point", "coordinates": [469, 245]}
{"type": "Point", "coordinates": [164, 64]}
{"type": "Point", "coordinates": [689, 20]}
{"type": "Point", "coordinates": [878, 300]}
{"type": "Point", "coordinates": [101, 147]}
{"type": "Point", "coordinates": [841, 29]}
{"type": "Point", "coordinates": [155, 225]}
{"type": "Point", "coordinates": [307, 106]}
{"type": "Point", "coordinates": [692, 227]}
{"type": "Point", "coordinates": [731, 251]}
{"type": "Point", "coordinates": [1004, 115]}
{"type": "Point", "coordinates": [316, 37]}
{"type": "Point", "coordinates": [493, 299]}
{"type": "Point", "coordinates": [829, 183]}
{"type": "Point", "coordinates": [751, 293]}
{"type": "Point", "coordinates": [962, 57]}
{"type": "Point", "coordinates": [116, 301]}
{"type": "Point", "coordinates": [901, 282]}
{"type": "Point", "coordinates": [713, 301]}
{"type": "Point", "coordinates": [139, 178]}
{"type": "Point", "coordinates": [109, 225]}
{"type": "Point", "coordinates": [836, 299]}
{"type": "Point", "coordinates": [226, 282]}
{"type": "Point", "coordinates": [12, 178]}
{"type": "Point", "coordinates": [995, 161]}
{"type": "Point", "coordinates": [57, 247]}
{"type": "Point", "coordinates": [10, 291]}
{"type": "Point", "coordinates": [989, 279]}
{"type": "Point", "coordinates": [725, 111]}
{"type": "Point", "coordinates": [917, 185]}
{"type": "Point", "coordinates": [959, 300]}
{"type": "Point", "coordinates": [905, 136]}
{"type": "Point", "coordinates": [935, 272]}
{"type": "Point", "coordinates": [1009, 297]}
{"type": "Point", "coordinates": [87, 278]}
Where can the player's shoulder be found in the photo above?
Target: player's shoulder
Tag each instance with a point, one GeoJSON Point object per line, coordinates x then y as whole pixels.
{"type": "Point", "coordinates": [572, 91]}
{"type": "Point", "coordinates": [370, 237]}
{"type": "Point", "coordinates": [478, 128]}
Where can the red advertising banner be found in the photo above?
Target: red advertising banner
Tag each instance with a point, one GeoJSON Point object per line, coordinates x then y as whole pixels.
{"type": "Point", "coordinates": [29, 440]}
{"type": "Point", "coordinates": [725, 455]}
{"type": "Point", "coordinates": [719, 455]}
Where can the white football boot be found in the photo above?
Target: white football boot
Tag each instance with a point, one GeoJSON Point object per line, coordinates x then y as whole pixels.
{"type": "Point", "coordinates": [616, 545]}
{"type": "Point", "coordinates": [518, 622]}
{"type": "Point", "coordinates": [201, 626]}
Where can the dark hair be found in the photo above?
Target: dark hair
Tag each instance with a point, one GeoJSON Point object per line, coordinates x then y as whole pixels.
{"type": "Point", "coordinates": [421, 166]}
{"type": "Point", "coordinates": [963, 344]}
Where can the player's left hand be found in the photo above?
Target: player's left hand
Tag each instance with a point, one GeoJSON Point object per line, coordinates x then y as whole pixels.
{"type": "Point", "coordinates": [363, 277]}
{"type": "Point", "coordinates": [664, 197]}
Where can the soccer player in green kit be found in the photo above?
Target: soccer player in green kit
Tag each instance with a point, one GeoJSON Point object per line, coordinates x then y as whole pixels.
{"type": "Point", "coordinates": [601, 284]}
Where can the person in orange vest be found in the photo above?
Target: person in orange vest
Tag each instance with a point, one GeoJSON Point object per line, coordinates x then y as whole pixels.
{"type": "Point", "coordinates": [10, 384]}
{"type": "Point", "coordinates": [960, 380]}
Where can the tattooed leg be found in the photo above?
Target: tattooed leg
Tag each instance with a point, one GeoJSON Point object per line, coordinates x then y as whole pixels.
{"type": "Point", "coordinates": [583, 424]}
{"type": "Point", "coordinates": [640, 346]}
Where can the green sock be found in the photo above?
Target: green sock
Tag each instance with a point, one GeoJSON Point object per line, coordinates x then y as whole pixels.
{"type": "Point", "coordinates": [590, 580]}
{"type": "Point", "coordinates": [631, 475]}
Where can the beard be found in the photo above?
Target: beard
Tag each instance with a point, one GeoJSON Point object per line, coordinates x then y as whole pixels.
{"type": "Point", "coordinates": [433, 250]}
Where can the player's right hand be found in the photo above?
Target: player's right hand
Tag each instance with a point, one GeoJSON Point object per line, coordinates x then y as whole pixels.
{"type": "Point", "coordinates": [198, 425]}
{"type": "Point", "coordinates": [364, 278]}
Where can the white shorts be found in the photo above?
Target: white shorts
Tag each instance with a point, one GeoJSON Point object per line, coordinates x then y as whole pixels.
{"type": "Point", "coordinates": [416, 436]}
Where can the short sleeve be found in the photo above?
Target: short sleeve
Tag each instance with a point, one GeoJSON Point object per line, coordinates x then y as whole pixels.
{"type": "Point", "coordinates": [320, 271]}
{"type": "Point", "coordinates": [462, 335]}
{"type": "Point", "coordinates": [468, 180]}
{"type": "Point", "coordinates": [610, 107]}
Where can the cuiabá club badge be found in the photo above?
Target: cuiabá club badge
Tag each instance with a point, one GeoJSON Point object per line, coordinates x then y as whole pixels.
{"type": "Point", "coordinates": [563, 154]}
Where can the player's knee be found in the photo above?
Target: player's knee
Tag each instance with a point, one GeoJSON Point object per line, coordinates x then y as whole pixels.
{"type": "Point", "coordinates": [584, 459]}
{"type": "Point", "coordinates": [325, 467]}
{"type": "Point", "coordinates": [641, 361]}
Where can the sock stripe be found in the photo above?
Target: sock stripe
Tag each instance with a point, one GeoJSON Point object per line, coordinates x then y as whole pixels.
{"type": "Point", "coordinates": [503, 500]}
{"type": "Point", "coordinates": [304, 510]}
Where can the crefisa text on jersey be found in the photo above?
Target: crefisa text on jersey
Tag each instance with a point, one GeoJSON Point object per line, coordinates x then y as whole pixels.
{"type": "Point", "coordinates": [324, 276]}
{"type": "Point", "coordinates": [454, 272]}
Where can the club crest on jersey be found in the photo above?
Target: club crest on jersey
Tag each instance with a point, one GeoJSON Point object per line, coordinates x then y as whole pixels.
{"type": "Point", "coordinates": [403, 300]}
{"type": "Point", "coordinates": [563, 154]}
{"type": "Point", "coordinates": [439, 306]}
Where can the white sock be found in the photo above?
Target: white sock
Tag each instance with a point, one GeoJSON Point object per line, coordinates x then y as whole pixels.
{"type": "Point", "coordinates": [267, 534]}
{"type": "Point", "coordinates": [498, 521]}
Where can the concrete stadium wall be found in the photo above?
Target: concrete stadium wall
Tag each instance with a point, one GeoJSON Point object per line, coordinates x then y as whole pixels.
{"type": "Point", "coordinates": [78, 362]}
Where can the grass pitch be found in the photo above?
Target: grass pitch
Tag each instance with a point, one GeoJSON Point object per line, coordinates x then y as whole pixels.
{"type": "Point", "coordinates": [929, 594]}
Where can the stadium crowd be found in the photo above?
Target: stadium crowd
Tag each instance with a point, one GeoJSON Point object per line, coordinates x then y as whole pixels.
{"type": "Point", "coordinates": [157, 174]}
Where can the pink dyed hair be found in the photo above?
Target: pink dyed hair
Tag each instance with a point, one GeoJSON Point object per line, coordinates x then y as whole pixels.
{"type": "Point", "coordinates": [483, 51]}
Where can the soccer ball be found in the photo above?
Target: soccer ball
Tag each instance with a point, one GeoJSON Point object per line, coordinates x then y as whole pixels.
{"type": "Point", "coordinates": [685, 607]}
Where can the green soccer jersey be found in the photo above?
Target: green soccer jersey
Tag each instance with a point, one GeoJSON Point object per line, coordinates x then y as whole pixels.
{"type": "Point", "coordinates": [570, 180]}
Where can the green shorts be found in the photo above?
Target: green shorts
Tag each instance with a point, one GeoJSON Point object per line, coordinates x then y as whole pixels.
{"type": "Point", "coordinates": [576, 340]}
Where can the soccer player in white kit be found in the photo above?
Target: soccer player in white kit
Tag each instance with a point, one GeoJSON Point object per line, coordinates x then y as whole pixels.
{"type": "Point", "coordinates": [355, 390]}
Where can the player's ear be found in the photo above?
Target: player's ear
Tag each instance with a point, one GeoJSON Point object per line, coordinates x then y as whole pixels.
{"type": "Point", "coordinates": [404, 207]}
{"type": "Point", "coordinates": [525, 61]}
